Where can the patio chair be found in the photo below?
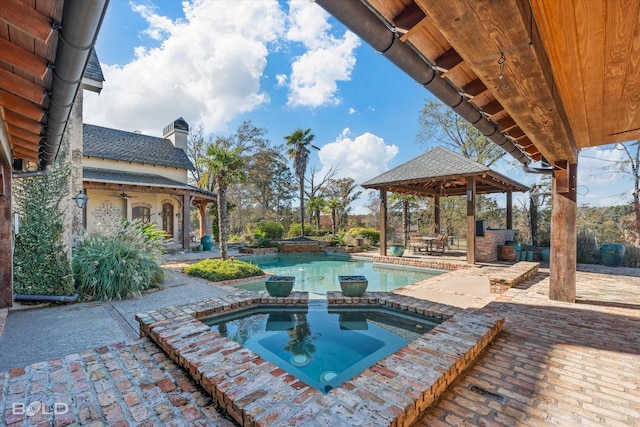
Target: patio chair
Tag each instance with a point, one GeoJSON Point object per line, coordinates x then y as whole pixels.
{"type": "Point", "coordinates": [441, 244]}
{"type": "Point", "coordinates": [417, 243]}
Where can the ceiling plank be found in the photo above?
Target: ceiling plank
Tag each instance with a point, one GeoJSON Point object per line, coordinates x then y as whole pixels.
{"type": "Point", "coordinates": [25, 18]}
{"type": "Point", "coordinates": [22, 59]}
{"type": "Point", "coordinates": [14, 119]}
{"type": "Point", "coordinates": [22, 87]}
{"type": "Point", "coordinates": [20, 106]}
{"type": "Point", "coordinates": [25, 145]}
{"type": "Point", "coordinates": [480, 32]}
{"type": "Point", "coordinates": [16, 132]}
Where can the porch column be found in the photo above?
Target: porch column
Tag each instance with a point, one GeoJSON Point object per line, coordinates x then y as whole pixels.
{"type": "Point", "coordinates": [6, 239]}
{"type": "Point", "coordinates": [436, 213]}
{"type": "Point", "coordinates": [509, 210]}
{"type": "Point", "coordinates": [383, 222]}
{"type": "Point", "coordinates": [563, 259]}
{"type": "Point", "coordinates": [471, 220]}
{"type": "Point", "coordinates": [186, 222]}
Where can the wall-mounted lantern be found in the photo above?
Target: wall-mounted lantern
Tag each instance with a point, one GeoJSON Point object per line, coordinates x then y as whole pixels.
{"type": "Point", "coordinates": [81, 199]}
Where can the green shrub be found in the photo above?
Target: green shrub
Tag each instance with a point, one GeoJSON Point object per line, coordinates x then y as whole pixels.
{"type": "Point", "coordinates": [588, 251]}
{"type": "Point", "coordinates": [41, 266]}
{"type": "Point", "coordinates": [217, 270]}
{"type": "Point", "coordinates": [271, 229]}
{"type": "Point", "coordinates": [118, 262]}
{"type": "Point", "coordinates": [371, 235]}
{"type": "Point", "coordinates": [631, 256]}
{"type": "Point", "coordinates": [294, 230]}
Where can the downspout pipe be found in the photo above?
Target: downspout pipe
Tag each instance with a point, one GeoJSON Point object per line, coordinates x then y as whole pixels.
{"type": "Point", "coordinates": [371, 28]}
{"type": "Point", "coordinates": [45, 298]}
{"type": "Point", "coordinates": [81, 22]}
{"type": "Point", "coordinates": [29, 174]}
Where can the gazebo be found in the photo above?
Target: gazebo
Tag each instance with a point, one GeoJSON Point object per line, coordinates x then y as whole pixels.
{"type": "Point", "coordinates": [441, 172]}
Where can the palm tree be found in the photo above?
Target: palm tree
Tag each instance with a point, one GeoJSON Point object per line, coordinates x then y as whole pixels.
{"type": "Point", "coordinates": [224, 166]}
{"type": "Point", "coordinates": [298, 144]}
{"type": "Point", "coordinates": [332, 205]}
{"type": "Point", "coordinates": [315, 205]}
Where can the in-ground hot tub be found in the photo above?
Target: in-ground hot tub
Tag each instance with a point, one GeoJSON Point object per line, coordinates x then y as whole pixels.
{"type": "Point", "coordinates": [252, 390]}
{"type": "Point", "coordinates": [322, 347]}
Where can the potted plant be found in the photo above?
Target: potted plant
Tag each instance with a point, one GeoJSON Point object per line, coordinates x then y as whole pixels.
{"type": "Point", "coordinates": [396, 249]}
{"type": "Point", "coordinates": [279, 286]}
{"type": "Point", "coordinates": [353, 286]}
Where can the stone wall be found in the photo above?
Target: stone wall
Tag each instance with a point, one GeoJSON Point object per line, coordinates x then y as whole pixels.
{"type": "Point", "coordinates": [487, 245]}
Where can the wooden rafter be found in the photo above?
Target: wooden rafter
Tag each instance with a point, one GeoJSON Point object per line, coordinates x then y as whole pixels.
{"type": "Point", "coordinates": [18, 14]}
{"type": "Point", "coordinates": [21, 106]}
{"type": "Point", "coordinates": [16, 120]}
{"type": "Point", "coordinates": [22, 87]}
{"type": "Point", "coordinates": [23, 59]}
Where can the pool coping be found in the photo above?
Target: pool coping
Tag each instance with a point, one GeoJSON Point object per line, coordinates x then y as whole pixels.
{"type": "Point", "coordinates": [394, 391]}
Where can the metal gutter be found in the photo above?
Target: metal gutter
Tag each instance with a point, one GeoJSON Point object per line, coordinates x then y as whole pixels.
{"type": "Point", "coordinates": [81, 22]}
{"type": "Point", "coordinates": [372, 28]}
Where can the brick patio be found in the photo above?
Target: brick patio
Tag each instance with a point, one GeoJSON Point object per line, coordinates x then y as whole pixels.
{"type": "Point", "coordinates": [553, 364]}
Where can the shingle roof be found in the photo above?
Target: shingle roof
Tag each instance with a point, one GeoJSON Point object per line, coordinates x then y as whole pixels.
{"type": "Point", "coordinates": [133, 178]}
{"type": "Point", "coordinates": [114, 144]}
{"type": "Point", "coordinates": [437, 163]}
{"type": "Point", "coordinates": [94, 70]}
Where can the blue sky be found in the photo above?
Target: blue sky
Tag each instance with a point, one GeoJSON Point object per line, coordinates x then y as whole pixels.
{"type": "Point", "coordinates": [282, 65]}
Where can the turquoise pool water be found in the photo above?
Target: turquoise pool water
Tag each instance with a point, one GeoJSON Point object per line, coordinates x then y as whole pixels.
{"type": "Point", "coordinates": [322, 347]}
{"type": "Point", "coordinates": [318, 274]}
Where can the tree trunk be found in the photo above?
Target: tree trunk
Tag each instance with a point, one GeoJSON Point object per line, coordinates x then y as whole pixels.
{"type": "Point", "coordinates": [302, 206]}
{"type": "Point", "coordinates": [533, 218]}
{"type": "Point", "coordinates": [222, 220]}
{"type": "Point", "coordinates": [333, 221]}
{"type": "Point", "coordinates": [405, 222]}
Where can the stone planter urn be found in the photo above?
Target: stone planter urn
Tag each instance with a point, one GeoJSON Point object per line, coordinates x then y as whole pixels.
{"type": "Point", "coordinates": [396, 250]}
{"type": "Point", "coordinates": [353, 286]}
{"type": "Point", "coordinates": [279, 286]}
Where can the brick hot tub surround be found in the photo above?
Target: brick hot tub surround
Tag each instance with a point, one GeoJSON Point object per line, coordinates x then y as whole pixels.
{"type": "Point", "coordinates": [255, 392]}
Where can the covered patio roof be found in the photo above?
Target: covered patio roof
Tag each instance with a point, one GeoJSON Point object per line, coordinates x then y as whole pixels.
{"type": "Point", "coordinates": [541, 78]}
{"type": "Point", "coordinates": [442, 172]}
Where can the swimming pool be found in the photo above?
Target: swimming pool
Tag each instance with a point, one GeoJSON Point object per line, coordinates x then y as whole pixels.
{"type": "Point", "coordinates": [318, 274]}
{"type": "Point", "coordinates": [322, 347]}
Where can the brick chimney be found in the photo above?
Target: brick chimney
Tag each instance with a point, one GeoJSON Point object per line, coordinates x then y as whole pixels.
{"type": "Point", "coordinates": [177, 132]}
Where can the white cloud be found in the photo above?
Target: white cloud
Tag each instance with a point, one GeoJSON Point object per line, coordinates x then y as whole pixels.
{"type": "Point", "coordinates": [360, 158]}
{"type": "Point", "coordinates": [352, 111]}
{"type": "Point", "coordinates": [328, 59]}
{"type": "Point", "coordinates": [281, 79]}
{"type": "Point", "coordinates": [207, 68]}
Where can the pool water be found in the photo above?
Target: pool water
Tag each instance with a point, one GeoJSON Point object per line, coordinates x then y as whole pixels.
{"type": "Point", "coordinates": [318, 274]}
{"type": "Point", "coordinates": [322, 347]}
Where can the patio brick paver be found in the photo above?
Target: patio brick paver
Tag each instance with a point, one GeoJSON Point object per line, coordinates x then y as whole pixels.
{"type": "Point", "coordinates": [127, 384]}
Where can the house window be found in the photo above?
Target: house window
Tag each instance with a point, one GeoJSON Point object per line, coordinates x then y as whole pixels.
{"type": "Point", "coordinates": [142, 213]}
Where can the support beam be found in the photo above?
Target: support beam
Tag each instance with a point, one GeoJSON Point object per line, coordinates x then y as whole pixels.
{"type": "Point", "coordinates": [26, 18]}
{"type": "Point", "coordinates": [471, 220]}
{"type": "Point", "coordinates": [6, 239]}
{"type": "Point", "coordinates": [383, 221]}
{"type": "Point", "coordinates": [562, 266]}
{"type": "Point", "coordinates": [436, 213]}
{"type": "Point", "coordinates": [509, 210]}
{"type": "Point", "coordinates": [186, 223]}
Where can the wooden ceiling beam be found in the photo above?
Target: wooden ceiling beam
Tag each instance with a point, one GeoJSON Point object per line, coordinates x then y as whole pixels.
{"type": "Point", "coordinates": [23, 134]}
{"type": "Point", "coordinates": [492, 107]}
{"type": "Point", "coordinates": [22, 59]}
{"type": "Point", "coordinates": [14, 119]}
{"type": "Point", "coordinates": [473, 88]}
{"type": "Point", "coordinates": [25, 144]}
{"type": "Point", "coordinates": [408, 18]}
{"type": "Point", "coordinates": [27, 19]}
{"type": "Point", "coordinates": [22, 87]}
{"type": "Point", "coordinates": [483, 30]}
{"type": "Point", "coordinates": [21, 106]}
{"type": "Point", "coordinates": [506, 123]}
{"type": "Point", "coordinates": [448, 60]}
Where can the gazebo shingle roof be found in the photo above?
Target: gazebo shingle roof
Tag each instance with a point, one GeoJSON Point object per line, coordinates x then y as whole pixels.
{"type": "Point", "coordinates": [440, 166]}
{"type": "Point", "coordinates": [113, 144]}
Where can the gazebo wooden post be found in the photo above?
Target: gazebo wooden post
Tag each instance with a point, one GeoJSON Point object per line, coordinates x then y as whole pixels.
{"type": "Point", "coordinates": [509, 210]}
{"type": "Point", "coordinates": [436, 213]}
{"type": "Point", "coordinates": [383, 221]}
{"type": "Point", "coordinates": [562, 265]}
{"type": "Point", "coordinates": [471, 220]}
